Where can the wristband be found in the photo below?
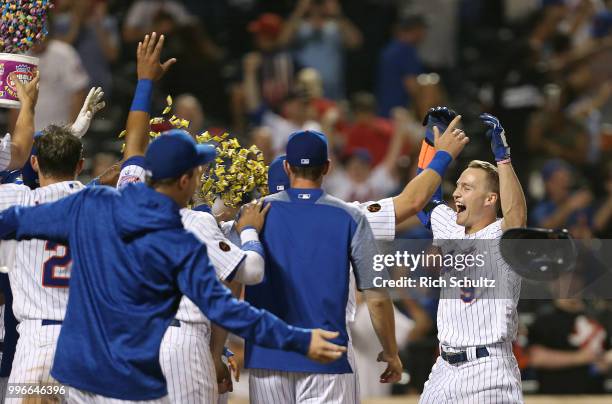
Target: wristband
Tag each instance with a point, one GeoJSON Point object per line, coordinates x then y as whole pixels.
{"type": "Point", "coordinates": [142, 96]}
{"type": "Point", "coordinates": [506, 161]}
{"type": "Point", "coordinates": [248, 227]}
{"type": "Point", "coordinates": [227, 353]}
{"type": "Point", "coordinates": [440, 162]}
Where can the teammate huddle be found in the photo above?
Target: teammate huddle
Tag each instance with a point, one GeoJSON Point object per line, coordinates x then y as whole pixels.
{"type": "Point", "coordinates": [146, 313]}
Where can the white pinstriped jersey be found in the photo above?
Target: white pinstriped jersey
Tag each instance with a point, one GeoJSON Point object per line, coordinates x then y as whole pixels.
{"type": "Point", "coordinates": [223, 254]}
{"type": "Point", "coordinates": [381, 216]}
{"type": "Point", "coordinates": [40, 272]}
{"type": "Point", "coordinates": [5, 152]}
{"type": "Point", "coordinates": [488, 315]}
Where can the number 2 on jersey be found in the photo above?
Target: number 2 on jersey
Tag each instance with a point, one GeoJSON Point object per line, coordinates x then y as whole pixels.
{"type": "Point", "coordinates": [55, 269]}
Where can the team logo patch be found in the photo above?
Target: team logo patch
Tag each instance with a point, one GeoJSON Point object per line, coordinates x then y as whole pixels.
{"type": "Point", "coordinates": [305, 161]}
{"type": "Point", "coordinates": [130, 178]}
{"type": "Point", "coordinates": [375, 207]}
{"type": "Point", "coordinates": [224, 246]}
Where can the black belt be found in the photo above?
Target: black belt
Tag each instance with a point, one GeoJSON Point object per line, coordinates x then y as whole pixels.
{"type": "Point", "coordinates": [175, 323]}
{"type": "Point", "coordinates": [459, 357]}
{"type": "Point", "coordinates": [51, 322]}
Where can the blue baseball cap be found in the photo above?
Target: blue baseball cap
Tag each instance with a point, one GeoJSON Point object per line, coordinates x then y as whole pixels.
{"type": "Point", "coordinates": [174, 153]}
{"type": "Point", "coordinates": [277, 177]}
{"type": "Point", "coordinates": [307, 148]}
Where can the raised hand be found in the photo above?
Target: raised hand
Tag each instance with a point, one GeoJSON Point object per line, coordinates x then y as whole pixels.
{"type": "Point", "coordinates": [149, 66]}
{"type": "Point", "coordinates": [323, 351]}
{"type": "Point", "coordinates": [93, 103]}
{"type": "Point", "coordinates": [437, 116]}
{"type": "Point", "coordinates": [497, 137]}
{"type": "Point", "coordinates": [453, 140]}
{"type": "Point", "coordinates": [26, 92]}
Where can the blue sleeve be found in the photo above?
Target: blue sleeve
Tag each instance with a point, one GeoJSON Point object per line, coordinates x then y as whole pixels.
{"type": "Point", "coordinates": [436, 199]}
{"type": "Point", "coordinates": [49, 221]}
{"type": "Point", "coordinates": [133, 161]}
{"type": "Point", "coordinates": [410, 63]}
{"type": "Point", "coordinates": [217, 303]}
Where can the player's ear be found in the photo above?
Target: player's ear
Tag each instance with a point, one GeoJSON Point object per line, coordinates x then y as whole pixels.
{"type": "Point", "coordinates": [79, 167]}
{"type": "Point", "coordinates": [492, 199]}
{"type": "Point", "coordinates": [326, 167]}
{"type": "Point", "coordinates": [286, 168]}
{"type": "Point", "coordinates": [34, 163]}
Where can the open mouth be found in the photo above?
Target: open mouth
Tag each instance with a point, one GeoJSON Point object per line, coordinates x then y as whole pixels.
{"type": "Point", "coordinates": [460, 207]}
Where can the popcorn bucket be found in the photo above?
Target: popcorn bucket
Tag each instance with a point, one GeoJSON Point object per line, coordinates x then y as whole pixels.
{"type": "Point", "coordinates": [25, 66]}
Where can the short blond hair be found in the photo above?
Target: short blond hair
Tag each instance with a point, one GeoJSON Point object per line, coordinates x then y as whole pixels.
{"type": "Point", "coordinates": [492, 177]}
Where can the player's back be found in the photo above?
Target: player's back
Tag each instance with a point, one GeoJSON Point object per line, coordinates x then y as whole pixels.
{"type": "Point", "coordinates": [310, 240]}
{"type": "Point", "coordinates": [39, 270]}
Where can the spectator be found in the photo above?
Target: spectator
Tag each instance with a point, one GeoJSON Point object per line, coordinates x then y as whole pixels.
{"type": "Point", "coordinates": [86, 25]}
{"type": "Point", "coordinates": [295, 113]}
{"type": "Point", "coordinates": [320, 33]}
{"type": "Point", "coordinates": [63, 85]}
{"type": "Point", "coordinates": [398, 67]}
{"type": "Point", "coordinates": [141, 15]}
{"type": "Point", "coordinates": [359, 180]}
{"type": "Point", "coordinates": [368, 131]}
{"type": "Point", "coordinates": [188, 107]}
{"type": "Point", "coordinates": [309, 80]}
{"type": "Point", "coordinates": [561, 207]}
{"type": "Point", "coordinates": [567, 348]}
{"type": "Point", "coordinates": [277, 69]}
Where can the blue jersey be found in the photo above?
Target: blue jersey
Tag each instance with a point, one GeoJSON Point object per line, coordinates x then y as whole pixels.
{"type": "Point", "coordinates": [310, 241]}
{"type": "Point", "coordinates": [132, 261]}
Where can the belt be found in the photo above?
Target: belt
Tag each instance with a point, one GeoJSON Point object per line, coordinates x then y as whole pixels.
{"type": "Point", "coordinates": [459, 357]}
{"type": "Point", "coordinates": [175, 323]}
{"type": "Point", "coordinates": [51, 322]}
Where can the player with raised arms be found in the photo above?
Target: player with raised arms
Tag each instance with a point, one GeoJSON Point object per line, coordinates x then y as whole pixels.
{"type": "Point", "coordinates": [191, 349]}
{"type": "Point", "coordinates": [476, 327]}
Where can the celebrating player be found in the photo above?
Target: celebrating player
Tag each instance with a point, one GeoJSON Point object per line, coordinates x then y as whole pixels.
{"type": "Point", "coordinates": [132, 262]}
{"type": "Point", "coordinates": [476, 363]}
{"type": "Point", "coordinates": [186, 359]}
{"type": "Point", "coordinates": [40, 270]}
{"type": "Point", "coordinates": [304, 214]}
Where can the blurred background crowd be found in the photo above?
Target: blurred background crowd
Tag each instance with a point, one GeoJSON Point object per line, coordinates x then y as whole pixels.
{"type": "Point", "coordinates": [365, 72]}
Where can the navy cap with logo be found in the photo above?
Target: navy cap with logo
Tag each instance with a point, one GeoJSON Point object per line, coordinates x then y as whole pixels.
{"type": "Point", "coordinates": [174, 153]}
{"type": "Point", "coordinates": [307, 148]}
{"type": "Point", "coordinates": [277, 177]}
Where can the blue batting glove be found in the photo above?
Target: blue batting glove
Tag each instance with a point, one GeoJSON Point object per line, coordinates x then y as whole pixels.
{"type": "Point", "coordinates": [497, 137]}
{"type": "Point", "coordinates": [440, 117]}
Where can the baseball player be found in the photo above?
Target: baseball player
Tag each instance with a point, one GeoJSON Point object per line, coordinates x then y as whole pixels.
{"type": "Point", "coordinates": [186, 359]}
{"type": "Point", "coordinates": [132, 260]}
{"type": "Point", "coordinates": [476, 363]}
{"type": "Point", "coordinates": [40, 270]}
{"type": "Point", "coordinates": [312, 282]}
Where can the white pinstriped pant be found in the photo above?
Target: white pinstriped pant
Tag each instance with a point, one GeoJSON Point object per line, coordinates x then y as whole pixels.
{"type": "Point", "coordinates": [276, 387]}
{"type": "Point", "coordinates": [34, 354]}
{"type": "Point", "coordinates": [76, 396]}
{"type": "Point", "coordinates": [494, 379]}
{"type": "Point", "coordinates": [187, 364]}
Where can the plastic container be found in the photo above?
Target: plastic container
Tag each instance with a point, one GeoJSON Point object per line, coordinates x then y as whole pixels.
{"type": "Point", "coordinates": [25, 66]}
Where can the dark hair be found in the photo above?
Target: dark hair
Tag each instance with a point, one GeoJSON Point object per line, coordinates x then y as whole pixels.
{"type": "Point", "coordinates": [308, 173]}
{"type": "Point", "coordinates": [167, 181]}
{"type": "Point", "coordinates": [58, 151]}
{"type": "Point", "coordinates": [363, 101]}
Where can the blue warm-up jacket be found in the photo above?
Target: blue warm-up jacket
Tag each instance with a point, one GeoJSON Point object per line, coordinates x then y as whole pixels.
{"type": "Point", "coordinates": [132, 262]}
